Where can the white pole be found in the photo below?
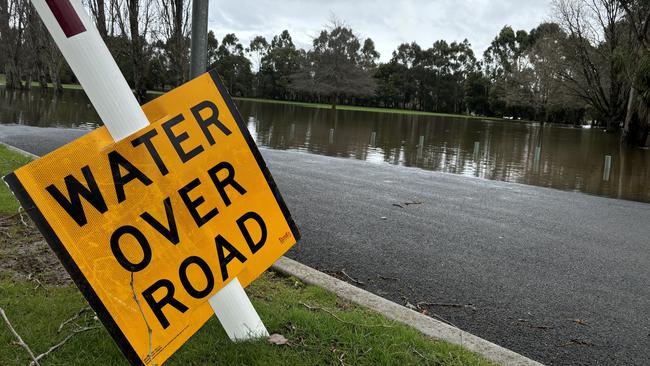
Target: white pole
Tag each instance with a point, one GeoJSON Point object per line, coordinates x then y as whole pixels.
{"type": "Point", "coordinates": [101, 79]}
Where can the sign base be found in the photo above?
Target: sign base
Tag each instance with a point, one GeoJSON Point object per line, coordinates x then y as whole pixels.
{"type": "Point", "coordinates": [237, 314]}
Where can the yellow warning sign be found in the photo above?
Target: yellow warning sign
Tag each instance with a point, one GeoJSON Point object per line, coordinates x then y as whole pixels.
{"type": "Point", "coordinates": [151, 227]}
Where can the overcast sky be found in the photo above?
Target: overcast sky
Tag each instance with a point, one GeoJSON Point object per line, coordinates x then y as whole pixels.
{"type": "Point", "coordinates": [388, 23]}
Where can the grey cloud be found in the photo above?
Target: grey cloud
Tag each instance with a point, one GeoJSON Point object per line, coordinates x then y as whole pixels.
{"type": "Point", "coordinates": [388, 23]}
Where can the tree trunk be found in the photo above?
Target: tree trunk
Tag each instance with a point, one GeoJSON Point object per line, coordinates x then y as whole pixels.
{"type": "Point", "coordinates": [637, 123]}
{"type": "Point", "coordinates": [137, 53]}
{"type": "Point", "coordinates": [101, 19]}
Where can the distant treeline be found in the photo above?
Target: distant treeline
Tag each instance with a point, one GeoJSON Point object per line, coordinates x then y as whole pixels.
{"type": "Point", "coordinates": [592, 64]}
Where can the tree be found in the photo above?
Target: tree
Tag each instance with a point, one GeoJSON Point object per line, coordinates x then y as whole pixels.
{"type": "Point", "coordinates": [175, 30]}
{"type": "Point", "coordinates": [280, 61]}
{"type": "Point", "coordinates": [334, 69]}
{"type": "Point", "coordinates": [213, 47]}
{"type": "Point", "coordinates": [504, 58]}
{"type": "Point", "coordinates": [233, 66]}
{"type": "Point", "coordinates": [134, 19]}
{"type": "Point", "coordinates": [369, 56]}
{"type": "Point", "coordinates": [258, 48]}
{"type": "Point", "coordinates": [592, 51]}
{"type": "Point", "coordinates": [637, 119]}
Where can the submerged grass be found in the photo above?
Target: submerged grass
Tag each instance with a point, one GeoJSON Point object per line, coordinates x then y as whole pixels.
{"type": "Point", "coordinates": [367, 109]}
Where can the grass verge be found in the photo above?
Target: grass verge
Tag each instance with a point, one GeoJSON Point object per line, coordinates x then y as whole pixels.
{"type": "Point", "coordinates": [320, 328]}
{"type": "Point", "coordinates": [9, 161]}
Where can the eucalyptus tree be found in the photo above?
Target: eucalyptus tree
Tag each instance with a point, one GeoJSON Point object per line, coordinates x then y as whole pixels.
{"type": "Point", "coordinates": [233, 66]}
{"type": "Point", "coordinates": [281, 60]}
{"type": "Point", "coordinates": [369, 56]}
{"type": "Point", "coordinates": [333, 69]}
{"type": "Point", "coordinates": [504, 57]}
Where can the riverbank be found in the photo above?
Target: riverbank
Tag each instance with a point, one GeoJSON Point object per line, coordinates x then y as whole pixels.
{"type": "Point", "coordinates": [317, 327]}
{"type": "Point", "coordinates": [342, 107]}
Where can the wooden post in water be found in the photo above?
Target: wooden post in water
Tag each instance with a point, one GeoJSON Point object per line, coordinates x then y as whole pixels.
{"type": "Point", "coordinates": [477, 149]}
{"type": "Point", "coordinates": [420, 147]}
{"type": "Point", "coordinates": [292, 131]}
{"type": "Point", "coordinates": [536, 160]}
{"type": "Point", "coordinates": [607, 170]}
{"type": "Point", "coordinates": [373, 138]}
{"type": "Point", "coordinates": [331, 135]}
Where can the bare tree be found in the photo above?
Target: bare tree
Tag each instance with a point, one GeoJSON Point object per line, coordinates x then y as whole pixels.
{"type": "Point", "coordinates": [134, 18]}
{"type": "Point", "coordinates": [637, 119]}
{"type": "Point", "coordinates": [174, 18]}
{"type": "Point", "coordinates": [592, 65]}
{"type": "Point", "coordinates": [13, 21]}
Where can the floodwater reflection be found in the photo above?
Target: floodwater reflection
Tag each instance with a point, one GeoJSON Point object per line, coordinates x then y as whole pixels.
{"type": "Point", "coordinates": [576, 159]}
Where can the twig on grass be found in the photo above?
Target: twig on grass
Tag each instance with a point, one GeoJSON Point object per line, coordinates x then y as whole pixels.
{"type": "Point", "coordinates": [5, 231]}
{"type": "Point", "coordinates": [18, 338]}
{"type": "Point", "coordinates": [31, 277]}
{"type": "Point", "coordinates": [71, 319]}
{"type": "Point", "coordinates": [7, 218]}
{"type": "Point", "coordinates": [22, 219]}
{"type": "Point", "coordinates": [149, 331]}
{"type": "Point", "coordinates": [352, 279]}
{"type": "Point", "coordinates": [419, 354]}
{"type": "Point", "coordinates": [58, 345]}
{"type": "Point", "coordinates": [341, 320]}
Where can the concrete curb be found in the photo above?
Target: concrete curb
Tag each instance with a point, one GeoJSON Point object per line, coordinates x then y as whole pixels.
{"type": "Point", "coordinates": [427, 325]}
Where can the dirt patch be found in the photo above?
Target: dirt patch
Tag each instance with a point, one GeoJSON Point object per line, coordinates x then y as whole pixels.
{"type": "Point", "coordinates": [25, 254]}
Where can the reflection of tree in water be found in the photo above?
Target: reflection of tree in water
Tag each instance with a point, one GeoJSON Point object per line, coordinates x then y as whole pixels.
{"type": "Point", "coordinates": [567, 158]}
{"type": "Point", "coordinates": [44, 108]}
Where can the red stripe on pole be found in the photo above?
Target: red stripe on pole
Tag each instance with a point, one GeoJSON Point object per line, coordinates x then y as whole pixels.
{"type": "Point", "coordinates": [66, 16]}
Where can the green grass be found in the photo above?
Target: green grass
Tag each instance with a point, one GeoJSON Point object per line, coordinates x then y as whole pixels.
{"type": "Point", "coordinates": [36, 309]}
{"type": "Point", "coordinates": [9, 161]}
{"type": "Point", "coordinates": [315, 337]}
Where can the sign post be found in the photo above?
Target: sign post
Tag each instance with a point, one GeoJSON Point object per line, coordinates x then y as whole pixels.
{"type": "Point", "coordinates": [190, 194]}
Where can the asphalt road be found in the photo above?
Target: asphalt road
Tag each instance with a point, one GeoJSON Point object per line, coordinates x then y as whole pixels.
{"type": "Point", "coordinates": [560, 277]}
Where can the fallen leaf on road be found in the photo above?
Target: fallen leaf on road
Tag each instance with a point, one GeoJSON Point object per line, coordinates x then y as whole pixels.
{"type": "Point", "coordinates": [580, 322]}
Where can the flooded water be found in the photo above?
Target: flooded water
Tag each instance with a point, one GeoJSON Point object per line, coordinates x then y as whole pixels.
{"type": "Point", "coordinates": [575, 159]}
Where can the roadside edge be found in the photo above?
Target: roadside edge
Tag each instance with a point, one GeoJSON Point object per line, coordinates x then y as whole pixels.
{"type": "Point", "coordinates": [19, 151]}
{"type": "Point", "coordinates": [424, 324]}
